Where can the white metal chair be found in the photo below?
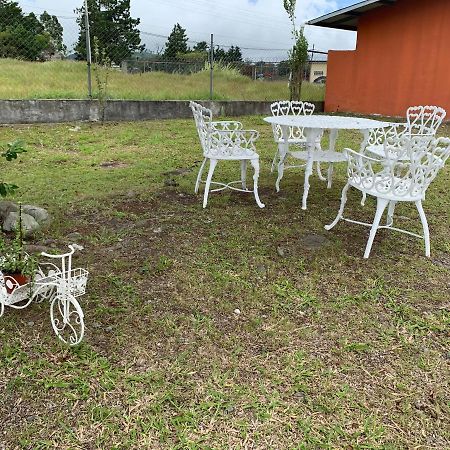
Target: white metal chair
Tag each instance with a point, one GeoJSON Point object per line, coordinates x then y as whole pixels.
{"type": "Point", "coordinates": [399, 181]}
{"type": "Point", "coordinates": [225, 141]}
{"type": "Point", "coordinates": [296, 136]}
{"type": "Point", "coordinates": [420, 121]}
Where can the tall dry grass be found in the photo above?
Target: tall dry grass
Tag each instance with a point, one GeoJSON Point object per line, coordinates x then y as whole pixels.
{"type": "Point", "coordinates": [67, 79]}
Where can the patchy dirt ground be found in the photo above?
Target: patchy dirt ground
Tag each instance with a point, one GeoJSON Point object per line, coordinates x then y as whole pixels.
{"type": "Point", "coordinates": [231, 327]}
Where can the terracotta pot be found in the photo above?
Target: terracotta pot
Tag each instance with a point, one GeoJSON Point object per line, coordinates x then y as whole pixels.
{"type": "Point", "coordinates": [17, 279]}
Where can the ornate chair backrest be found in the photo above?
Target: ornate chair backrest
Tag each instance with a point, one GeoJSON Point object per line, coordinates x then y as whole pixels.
{"type": "Point", "coordinates": [225, 141]}
{"type": "Point", "coordinates": [291, 108]}
{"type": "Point", "coordinates": [424, 119]}
{"type": "Point", "coordinates": [401, 178]}
{"type": "Point", "coordinates": [203, 119]}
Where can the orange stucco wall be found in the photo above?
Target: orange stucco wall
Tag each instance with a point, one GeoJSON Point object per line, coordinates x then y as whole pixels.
{"type": "Point", "coordinates": [402, 58]}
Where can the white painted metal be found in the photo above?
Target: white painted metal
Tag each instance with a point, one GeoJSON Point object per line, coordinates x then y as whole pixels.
{"type": "Point", "coordinates": [404, 179]}
{"type": "Point", "coordinates": [421, 121]}
{"type": "Point", "coordinates": [225, 141]}
{"type": "Point", "coordinates": [313, 127]}
{"type": "Point", "coordinates": [58, 283]}
{"type": "Point", "coordinates": [296, 134]}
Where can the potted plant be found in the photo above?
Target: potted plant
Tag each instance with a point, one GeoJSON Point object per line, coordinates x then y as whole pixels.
{"type": "Point", "coordinates": [18, 268]}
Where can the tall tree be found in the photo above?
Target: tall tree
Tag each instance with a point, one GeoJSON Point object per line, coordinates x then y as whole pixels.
{"type": "Point", "coordinates": [201, 47]}
{"type": "Point", "coordinates": [176, 42]}
{"type": "Point", "coordinates": [234, 54]}
{"type": "Point", "coordinates": [298, 56]}
{"type": "Point", "coordinates": [21, 35]}
{"type": "Point", "coordinates": [55, 31]}
{"type": "Point", "coordinates": [116, 32]}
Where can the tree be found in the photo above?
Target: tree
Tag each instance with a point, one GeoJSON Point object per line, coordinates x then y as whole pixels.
{"type": "Point", "coordinates": [113, 27]}
{"type": "Point", "coordinates": [201, 47]}
{"type": "Point", "coordinates": [220, 54]}
{"type": "Point", "coordinates": [176, 42]}
{"type": "Point", "coordinates": [234, 54]}
{"type": "Point", "coordinates": [55, 31]}
{"type": "Point", "coordinates": [21, 35]}
{"type": "Point", "coordinates": [298, 56]}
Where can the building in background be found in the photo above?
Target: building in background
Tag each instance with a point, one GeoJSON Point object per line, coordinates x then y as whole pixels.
{"type": "Point", "coordinates": [402, 57]}
{"type": "Point", "coordinates": [318, 71]}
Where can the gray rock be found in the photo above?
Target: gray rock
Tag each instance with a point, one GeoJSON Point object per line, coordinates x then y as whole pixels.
{"type": "Point", "coordinates": [281, 252]}
{"type": "Point", "coordinates": [40, 214]}
{"type": "Point", "coordinates": [29, 224]}
{"type": "Point", "coordinates": [35, 249]}
{"type": "Point", "coordinates": [314, 241]}
{"type": "Point", "coordinates": [170, 182]}
{"type": "Point", "coordinates": [74, 237]}
{"type": "Point", "coordinates": [7, 207]}
{"type": "Point", "coordinates": [261, 269]}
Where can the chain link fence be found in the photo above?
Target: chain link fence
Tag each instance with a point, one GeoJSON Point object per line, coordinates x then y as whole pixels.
{"type": "Point", "coordinates": [77, 55]}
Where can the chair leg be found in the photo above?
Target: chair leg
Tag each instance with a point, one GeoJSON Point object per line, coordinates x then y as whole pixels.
{"type": "Point", "coordinates": [381, 206]}
{"type": "Point", "coordinates": [244, 174]}
{"type": "Point", "coordinates": [255, 164]}
{"type": "Point", "coordinates": [341, 208]}
{"type": "Point", "coordinates": [390, 214]}
{"type": "Point", "coordinates": [212, 166]}
{"type": "Point", "coordinates": [426, 231]}
{"type": "Point", "coordinates": [199, 176]}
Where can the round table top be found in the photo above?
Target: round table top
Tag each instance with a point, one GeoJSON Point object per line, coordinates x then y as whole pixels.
{"type": "Point", "coordinates": [327, 122]}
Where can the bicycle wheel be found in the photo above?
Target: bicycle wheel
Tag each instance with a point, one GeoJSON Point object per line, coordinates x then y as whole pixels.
{"type": "Point", "coordinates": [67, 319]}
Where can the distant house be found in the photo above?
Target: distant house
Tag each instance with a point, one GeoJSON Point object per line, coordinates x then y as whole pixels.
{"type": "Point", "coordinates": [402, 57]}
{"type": "Point", "coordinates": [318, 71]}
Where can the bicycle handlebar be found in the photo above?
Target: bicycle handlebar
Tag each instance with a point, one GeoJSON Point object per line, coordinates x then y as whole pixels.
{"type": "Point", "coordinates": [72, 251]}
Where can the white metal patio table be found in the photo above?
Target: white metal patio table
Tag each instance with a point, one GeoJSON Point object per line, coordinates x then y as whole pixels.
{"type": "Point", "coordinates": [313, 128]}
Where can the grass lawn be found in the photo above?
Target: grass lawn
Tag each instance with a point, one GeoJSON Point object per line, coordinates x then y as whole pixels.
{"type": "Point", "coordinates": [68, 79]}
{"type": "Point", "coordinates": [329, 351]}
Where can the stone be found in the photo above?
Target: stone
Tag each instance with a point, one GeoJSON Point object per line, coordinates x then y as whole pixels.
{"type": "Point", "coordinates": [261, 269]}
{"type": "Point", "coordinates": [237, 311]}
{"type": "Point", "coordinates": [281, 252]}
{"type": "Point", "coordinates": [35, 249]}
{"type": "Point", "coordinates": [314, 241]}
{"type": "Point", "coordinates": [7, 207]}
{"type": "Point", "coordinates": [170, 182]}
{"type": "Point", "coordinates": [74, 237]}
{"type": "Point", "coordinates": [157, 230]}
{"type": "Point", "coordinates": [40, 214]}
{"type": "Point", "coordinates": [29, 224]}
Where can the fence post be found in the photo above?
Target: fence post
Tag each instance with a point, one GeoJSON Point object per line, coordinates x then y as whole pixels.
{"type": "Point", "coordinates": [211, 68]}
{"type": "Point", "coordinates": [88, 48]}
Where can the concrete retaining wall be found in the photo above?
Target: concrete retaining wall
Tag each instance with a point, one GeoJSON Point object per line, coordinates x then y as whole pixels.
{"type": "Point", "coordinates": [56, 111]}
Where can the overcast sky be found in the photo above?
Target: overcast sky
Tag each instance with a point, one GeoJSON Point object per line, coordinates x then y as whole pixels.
{"type": "Point", "coordinates": [260, 27]}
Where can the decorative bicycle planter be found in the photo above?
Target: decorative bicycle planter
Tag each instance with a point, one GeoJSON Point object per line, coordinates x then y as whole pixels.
{"type": "Point", "coordinates": [57, 282]}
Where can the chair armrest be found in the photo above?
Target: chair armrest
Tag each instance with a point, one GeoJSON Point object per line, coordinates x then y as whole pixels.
{"type": "Point", "coordinates": [226, 125]}
{"type": "Point", "coordinates": [352, 155]}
